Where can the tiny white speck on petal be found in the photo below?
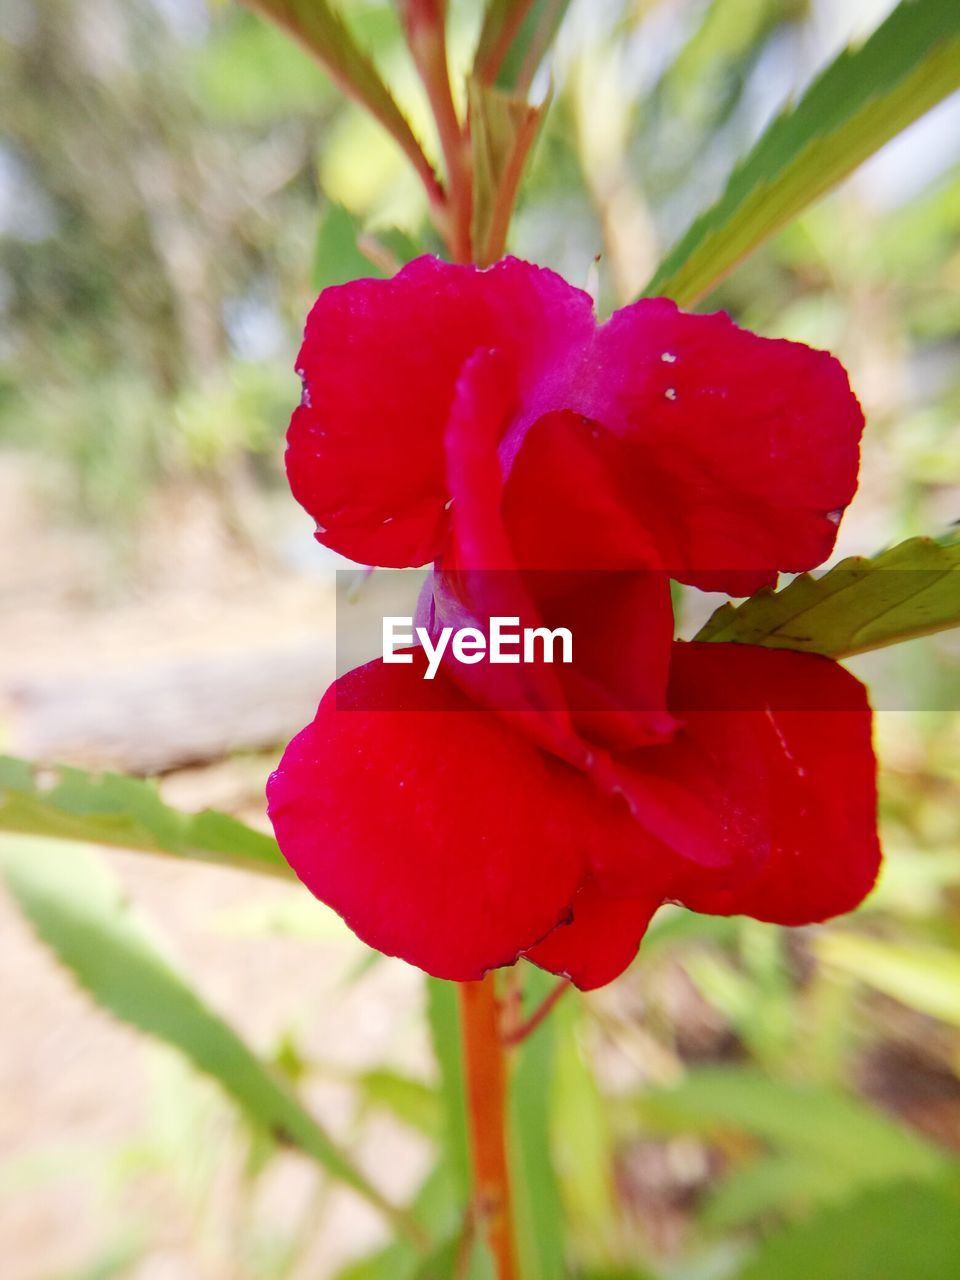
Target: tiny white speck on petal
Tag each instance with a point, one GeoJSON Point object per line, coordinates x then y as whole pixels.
{"type": "Point", "coordinates": [321, 528]}
{"type": "Point", "coordinates": [668, 357]}
{"type": "Point", "coordinates": [389, 520]}
{"type": "Point", "coordinates": [671, 393]}
{"type": "Point", "coordinates": [835, 516]}
{"type": "Point", "coordinates": [448, 504]}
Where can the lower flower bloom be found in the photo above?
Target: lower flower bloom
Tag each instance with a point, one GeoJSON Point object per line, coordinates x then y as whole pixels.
{"type": "Point", "coordinates": [447, 837]}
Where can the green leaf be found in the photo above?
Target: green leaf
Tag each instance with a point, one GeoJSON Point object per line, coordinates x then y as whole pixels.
{"type": "Point", "coordinates": [515, 36]}
{"type": "Point", "coordinates": [539, 1211]}
{"type": "Point", "coordinates": [443, 1016]}
{"type": "Point", "coordinates": [337, 257]}
{"type": "Point", "coordinates": [897, 1233]}
{"type": "Point", "coordinates": [585, 1146]}
{"type": "Point", "coordinates": [409, 1099]}
{"type": "Point", "coordinates": [434, 1209]}
{"type": "Point", "coordinates": [343, 251]}
{"type": "Point", "coordinates": [925, 978]}
{"type": "Point", "coordinates": [127, 813]}
{"type": "Point", "coordinates": [910, 590]}
{"type": "Point", "coordinates": [322, 31]}
{"type": "Point", "coordinates": [774, 1185]}
{"type": "Point", "coordinates": [503, 128]}
{"type": "Point", "coordinates": [76, 908]}
{"type": "Point", "coordinates": [821, 1124]}
{"type": "Point", "coordinates": [862, 100]}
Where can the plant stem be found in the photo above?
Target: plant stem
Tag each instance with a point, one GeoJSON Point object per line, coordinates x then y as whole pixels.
{"type": "Point", "coordinates": [517, 1033]}
{"type": "Point", "coordinates": [495, 43]}
{"type": "Point", "coordinates": [486, 1087]}
{"type": "Point", "coordinates": [425, 25]}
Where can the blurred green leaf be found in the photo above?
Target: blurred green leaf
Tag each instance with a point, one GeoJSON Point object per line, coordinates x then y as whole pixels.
{"type": "Point", "coordinates": [862, 100]}
{"type": "Point", "coordinates": [819, 1123]}
{"type": "Point", "coordinates": [343, 251]}
{"type": "Point", "coordinates": [337, 258]}
{"type": "Point", "coordinates": [509, 52]}
{"type": "Point", "coordinates": [444, 1018]}
{"type": "Point", "coordinates": [435, 1210]}
{"type": "Point", "coordinates": [471, 1260]}
{"type": "Point", "coordinates": [539, 1211]}
{"type": "Point", "coordinates": [777, 1184]}
{"type": "Point", "coordinates": [503, 128]}
{"type": "Point", "coordinates": [922, 977]}
{"type": "Point", "coordinates": [127, 813]}
{"type": "Point", "coordinates": [77, 908]}
{"type": "Point", "coordinates": [898, 1233]}
{"type": "Point", "coordinates": [584, 1145]}
{"type": "Point", "coordinates": [410, 1100]}
{"type": "Point", "coordinates": [909, 590]}
{"type": "Point", "coordinates": [321, 29]}
{"type": "Point", "coordinates": [501, 24]}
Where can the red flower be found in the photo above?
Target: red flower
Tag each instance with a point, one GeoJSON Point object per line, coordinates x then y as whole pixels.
{"type": "Point", "coordinates": [483, 420]}
{"type": "Point", "coordinates": [655, 439]}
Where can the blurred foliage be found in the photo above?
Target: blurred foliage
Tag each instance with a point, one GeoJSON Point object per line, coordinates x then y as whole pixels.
{"type": "Point", "coordinates": [747, 1102]}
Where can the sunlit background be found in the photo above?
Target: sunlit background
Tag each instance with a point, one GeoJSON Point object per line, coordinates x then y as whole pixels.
{"type": "Point", "coordinates": [176, 183]}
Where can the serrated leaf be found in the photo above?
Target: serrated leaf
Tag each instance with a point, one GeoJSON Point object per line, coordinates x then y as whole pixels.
{"type": "Point", "coordinates": [817, 1123]}
{"type": "Point", "coordinates": [925, 978]}
{"type": "Point", "coordinates": [910, 590]}
{"type": "Point", "coordinates": [127, 813]}
{"type": "Point", "coordinates": [897, 1233]}
{"type": "Point", "coordinates": [503, 128]}
{"type": "Point", "coordinates": [77, 908]}
{"type": "Point", "coordinates": [861, 101]}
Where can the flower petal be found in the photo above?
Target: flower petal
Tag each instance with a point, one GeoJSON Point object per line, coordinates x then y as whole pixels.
{"type": "Point", "coordinates": [436, 832]}
{"type": "Point", "coordinates": [380, 361]}
{"type": "Point", "coordinates": [600, 940]}
{"type": "Point", "coordinates": [739, 453]}
{"type": "Point", "coordinates": [777, 746]}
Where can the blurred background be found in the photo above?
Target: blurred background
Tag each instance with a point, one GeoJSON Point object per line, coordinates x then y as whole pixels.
{"type": "Point", "coordinates": [176, 183]}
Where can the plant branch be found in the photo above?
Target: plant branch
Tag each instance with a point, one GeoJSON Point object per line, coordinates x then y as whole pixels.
{"type": "Point", "coordinates": [495, 243]}
{"type": "Point", "coordinates": [511, 1036]}
{"type": "Point", "coordinates": [499, 32]}
{"type": "Point", "coordinates": [424, 22]}
{"type": "Point", "coordinates": [486, 1089]}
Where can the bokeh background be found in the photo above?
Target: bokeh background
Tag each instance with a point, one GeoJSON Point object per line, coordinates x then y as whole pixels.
{"type": "Point", "coordinates": [176, 182]}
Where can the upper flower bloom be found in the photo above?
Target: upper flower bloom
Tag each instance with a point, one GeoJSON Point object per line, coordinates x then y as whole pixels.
{"type": "Point", "coordinates": [482, 420]}
{"type": "Point", "coordinates": [656, 439]}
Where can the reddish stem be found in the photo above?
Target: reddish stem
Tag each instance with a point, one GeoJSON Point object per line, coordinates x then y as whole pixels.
{"type": "Point", "coordinates": [425, 25]}
{"type": "Point", "coordinates": [486, 1081]}
{"type": "Point", "coordinates": [515, 1035]}
{"type": "Point", "coordinates": [488, 68]}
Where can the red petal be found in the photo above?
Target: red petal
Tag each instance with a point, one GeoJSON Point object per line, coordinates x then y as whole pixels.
{"type": "Point", "coordinates": [438, 834]}
{"type": "Point", "coordinates": [380, 361]}
{"type": "Point", "coordinates": [601, 939]}
{"type": "Point", "coordinates": [777, 746]}
{"type": "Point", "coordinates": [739, 453]}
